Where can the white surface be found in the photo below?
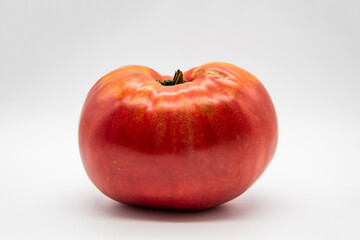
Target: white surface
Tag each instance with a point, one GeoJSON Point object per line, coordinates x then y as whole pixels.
{"type": "Point", "coordinates": [306, 53]}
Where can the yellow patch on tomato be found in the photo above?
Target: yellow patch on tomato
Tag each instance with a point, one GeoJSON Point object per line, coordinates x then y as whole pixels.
{"type": "Point", "coordinates": [207, 109]}
{"type": "Point", "coordinates": [209, 72]}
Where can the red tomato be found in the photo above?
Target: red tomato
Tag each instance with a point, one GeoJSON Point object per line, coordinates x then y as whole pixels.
{"type": "Point", "coordinates": [193, 142]}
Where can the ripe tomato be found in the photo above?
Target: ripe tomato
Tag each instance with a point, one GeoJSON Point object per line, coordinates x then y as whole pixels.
{"type": "Point", "coordinates": [192, 142]}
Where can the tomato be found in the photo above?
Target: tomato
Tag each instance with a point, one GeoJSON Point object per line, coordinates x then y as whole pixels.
{"type": "Point", "coordinates": [191, 142]}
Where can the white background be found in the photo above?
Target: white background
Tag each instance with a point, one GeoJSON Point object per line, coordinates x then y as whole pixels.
{"type": "Point", "coordinates": [306, 53]}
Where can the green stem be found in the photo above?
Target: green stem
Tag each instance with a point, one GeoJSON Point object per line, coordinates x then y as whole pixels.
{"type": "Point", "coordinates": [178, 79]}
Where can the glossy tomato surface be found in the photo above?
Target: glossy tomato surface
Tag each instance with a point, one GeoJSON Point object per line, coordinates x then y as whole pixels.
{"type": "Point", "coordinates": [188, 146]}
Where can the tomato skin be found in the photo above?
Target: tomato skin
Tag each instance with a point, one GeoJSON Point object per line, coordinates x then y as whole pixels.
{"type": "Point", "coordinates": [189, 146]}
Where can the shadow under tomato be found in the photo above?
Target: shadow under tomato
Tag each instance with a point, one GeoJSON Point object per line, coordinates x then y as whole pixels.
{"type": "Point", "coordinates": [237, 209]}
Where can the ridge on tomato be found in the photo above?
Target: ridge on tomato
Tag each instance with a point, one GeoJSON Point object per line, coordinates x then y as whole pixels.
{"type": "Point", "coordinates": [189, 142]}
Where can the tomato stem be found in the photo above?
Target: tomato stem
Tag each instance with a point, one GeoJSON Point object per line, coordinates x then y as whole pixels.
{"type": "Point", "coordinates": [178, 79]}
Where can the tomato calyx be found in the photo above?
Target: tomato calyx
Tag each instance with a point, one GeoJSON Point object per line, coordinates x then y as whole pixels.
{"type": "Point", "coordinates": [178, 79]}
